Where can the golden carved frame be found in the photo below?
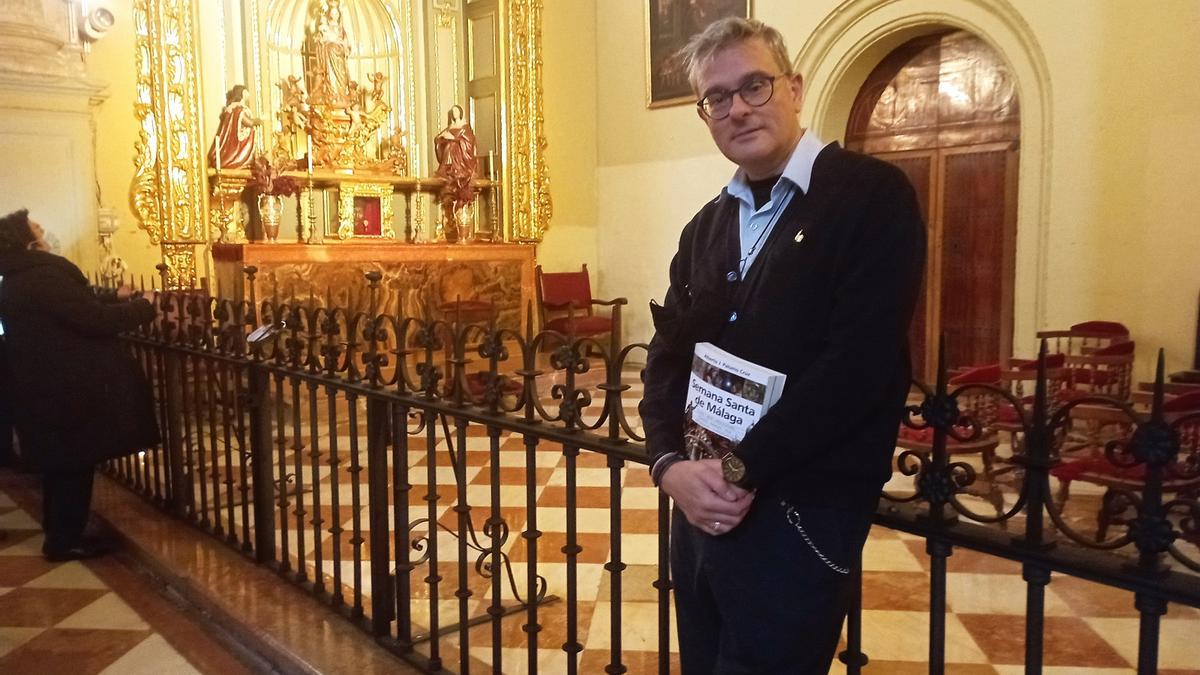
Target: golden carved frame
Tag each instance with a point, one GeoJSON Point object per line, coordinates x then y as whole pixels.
{"type": "Point", "coordinates": [168, 194]}
{"type": "Point", "coordinates": [526, 183]}
{"type": "Point", "coordinates": [345, 222]}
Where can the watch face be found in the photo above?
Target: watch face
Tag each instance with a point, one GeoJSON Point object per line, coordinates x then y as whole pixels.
{"type": "Point", "coordinates": [733, 468]}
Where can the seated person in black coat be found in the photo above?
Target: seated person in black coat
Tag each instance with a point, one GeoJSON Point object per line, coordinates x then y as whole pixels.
{"type": "Point", "coordinates": [76, 395]}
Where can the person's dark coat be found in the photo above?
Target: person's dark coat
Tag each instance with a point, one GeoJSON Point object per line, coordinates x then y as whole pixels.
{"type": "Point", "coordinates": [76, 394]}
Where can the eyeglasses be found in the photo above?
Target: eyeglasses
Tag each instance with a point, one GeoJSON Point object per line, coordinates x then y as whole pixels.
{"type": "Point", "coordinates": [755, 92]}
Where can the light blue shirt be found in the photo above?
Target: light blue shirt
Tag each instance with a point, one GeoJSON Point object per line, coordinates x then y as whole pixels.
{"type": "Point", "coordinates": [755, 225]}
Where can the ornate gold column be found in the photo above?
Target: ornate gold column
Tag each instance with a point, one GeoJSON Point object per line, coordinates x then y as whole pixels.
{"type": "Point", "coordinates": [167, 193]}
{"type": "Point", "coordinates": [527, 182]}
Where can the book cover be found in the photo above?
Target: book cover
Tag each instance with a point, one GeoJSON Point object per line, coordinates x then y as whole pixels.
{"type": "Point", "coordinates": [727, 396]}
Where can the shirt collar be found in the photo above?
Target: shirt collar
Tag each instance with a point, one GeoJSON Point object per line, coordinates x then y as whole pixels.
{"type": "Point", "coordinates": [798, 169]}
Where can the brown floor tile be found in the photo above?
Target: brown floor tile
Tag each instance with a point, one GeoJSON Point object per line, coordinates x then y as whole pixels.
{"type": "Point", "coordinates": [188, 638]}
{"type": "Point", "coordinates": [1069, 641]}
{"type": "Point", "coordinates": [639, 521]}
{"type": "Point", "coordinates": [585, 497]}
{"type": "Point", "coordinates": [17, 570]}
{"type": "Point", "coordinates": [966, 560]}
{"type": "Point", "coordinates": [592, 460]}
{"type": "Point", "coordinates": [637, 584]}
{"type": "Point", "coordinates": [552, 617]}
{"type": "Point", "coordinates": [65, 650]}
{"type": "Point", "coordinates": [595, 547]}
{"type": "Point", "coordinates": [14, 537]}
{"type": "Point", "coordinates": [594, 661]}
{"type": "Point", "coordinates": [1092, 599]}
{"type": "Point", "coordinates": [896, 590]}
{"type": "Point", "coordinates": [512, 475]}
{"type": "Point", "coordinates": [43, 606]}
{"type": "Point", "coordinates": [638, 478]}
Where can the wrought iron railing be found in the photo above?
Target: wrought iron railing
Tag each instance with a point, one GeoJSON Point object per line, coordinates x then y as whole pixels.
{"type": "Point", "coordinates": [351, 453]}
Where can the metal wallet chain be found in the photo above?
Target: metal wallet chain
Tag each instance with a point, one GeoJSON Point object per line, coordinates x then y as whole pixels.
{"type": "Point", "coordinates": [793, 517]}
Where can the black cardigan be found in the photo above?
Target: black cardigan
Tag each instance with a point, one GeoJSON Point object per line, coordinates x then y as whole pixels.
{"type": "Point", "coordinates": [828, 302]}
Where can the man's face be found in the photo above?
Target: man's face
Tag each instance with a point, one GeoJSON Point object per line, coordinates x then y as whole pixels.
{"type": "Point", "coordinates": [761, 139]}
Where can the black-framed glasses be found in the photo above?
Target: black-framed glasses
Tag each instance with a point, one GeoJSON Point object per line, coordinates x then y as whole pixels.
{"type": "Point", "coordinates": [755, 92]}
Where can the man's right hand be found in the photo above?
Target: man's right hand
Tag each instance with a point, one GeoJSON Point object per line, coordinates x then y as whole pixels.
{"type": "Point", "coordinates": [706, 499]}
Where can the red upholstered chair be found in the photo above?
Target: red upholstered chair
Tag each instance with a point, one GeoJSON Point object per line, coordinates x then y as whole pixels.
{"type": "Point", "coordinates": [1020, 379]}
{"type": "Point", "coordinates": [1084, 338]}
{"type": "Point", "coordinates": [1098, 470]}
{"type": "Point", "coordinates": [1105, 371]}
{"type": "Point", "coordinates": [566, 305]}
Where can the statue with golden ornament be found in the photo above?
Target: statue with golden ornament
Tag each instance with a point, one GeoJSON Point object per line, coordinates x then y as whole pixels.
{"type": "Point", "coordinates": [293, 119]}
{"type": "Point", "coordinates": [340, 117]}
{"type": "Point", "coordinates": [326, 55]}
{"type": "Point", "coordinates": [455, 149]}
{"type": "Point", "coordinates": [233, 144]}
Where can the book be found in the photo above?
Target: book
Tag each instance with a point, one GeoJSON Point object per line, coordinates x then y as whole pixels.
{"type": "Point", "coordinates": [727, 395]}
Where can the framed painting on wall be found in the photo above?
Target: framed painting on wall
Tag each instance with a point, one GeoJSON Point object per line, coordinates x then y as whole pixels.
{"type": "Point", "coordinates": [364, 210]}
{"type": "Point", "coordinates": [669, 26]}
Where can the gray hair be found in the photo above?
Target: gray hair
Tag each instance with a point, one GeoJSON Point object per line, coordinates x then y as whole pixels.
{"type": "Point", "coordinates": [725, 33]}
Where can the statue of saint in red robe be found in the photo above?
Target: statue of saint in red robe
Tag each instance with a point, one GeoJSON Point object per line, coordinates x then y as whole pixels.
{"type": "Point", "coordinates": [233, 146]}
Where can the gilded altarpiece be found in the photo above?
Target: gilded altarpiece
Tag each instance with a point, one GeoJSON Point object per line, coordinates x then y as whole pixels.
{"type": "Point", "coordinates": [360, 128]}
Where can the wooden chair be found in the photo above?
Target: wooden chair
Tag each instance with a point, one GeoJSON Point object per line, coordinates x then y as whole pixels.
{"type": "Point", "coordinates": [1084, 338]}
{"type": "Point", "coordinates": [566, 305]}
{"type": "Point", "coordinates": [1106, 371]}
{"type": "Point", "coordinates": [1020, 379]}
{"type": "Point", "coordinates": [1098, 470]}
{"type": "Point", "coordinates": [980, 406]}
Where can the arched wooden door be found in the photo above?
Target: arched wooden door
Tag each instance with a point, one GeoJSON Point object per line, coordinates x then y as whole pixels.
{"type": "Point", "coordinates": [944, 109]}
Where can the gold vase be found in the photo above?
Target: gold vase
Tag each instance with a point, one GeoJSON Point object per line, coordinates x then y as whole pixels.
{"type": "Point", "coordinates": [270, 207]}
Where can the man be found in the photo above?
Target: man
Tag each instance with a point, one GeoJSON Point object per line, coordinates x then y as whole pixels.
{"type": "Point", "coordinates": [809, 263]}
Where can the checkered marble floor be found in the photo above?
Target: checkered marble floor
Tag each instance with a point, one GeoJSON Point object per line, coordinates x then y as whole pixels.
{"type": "Point", "coordinates": [76, 617]}
{"type": "Point", "coordinates": [1090, 628]}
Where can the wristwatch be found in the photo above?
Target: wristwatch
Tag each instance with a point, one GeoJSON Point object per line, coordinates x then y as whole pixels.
{"type": "Point", "coordinates": [733, 469]}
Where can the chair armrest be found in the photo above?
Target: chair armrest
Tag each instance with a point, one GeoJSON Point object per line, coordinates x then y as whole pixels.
{"type": "Point", "coordinates": [615, 301]}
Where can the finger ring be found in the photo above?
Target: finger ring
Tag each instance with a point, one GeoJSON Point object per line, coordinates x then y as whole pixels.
{"type": "Point", "coordinates": [716, 525]}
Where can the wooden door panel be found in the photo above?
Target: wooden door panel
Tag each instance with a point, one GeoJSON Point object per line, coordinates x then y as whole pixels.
{"type": "Point", "coordinates": [944, 108]}
{"type": "Point", "coordinates": [973, 228]}
{"type": "Point", "coordinates": [919, 167]}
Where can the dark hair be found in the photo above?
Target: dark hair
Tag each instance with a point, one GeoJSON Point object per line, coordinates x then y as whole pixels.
{"type": "Point", "coordinates": [15, 233]}
{"type": "Point", "coordinates": [235, 94]}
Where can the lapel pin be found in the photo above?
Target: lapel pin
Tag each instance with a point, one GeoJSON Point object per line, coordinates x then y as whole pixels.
{"type": "Point", "coordinates": [799, 236]}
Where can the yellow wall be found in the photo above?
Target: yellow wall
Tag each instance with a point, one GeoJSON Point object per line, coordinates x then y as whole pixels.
{"type": "Point", "coordinates": [569, 34]}
{"type": "Point", "coordinates": [1116, 225]}
{"type": "Point", "coordinates": [111, 60]}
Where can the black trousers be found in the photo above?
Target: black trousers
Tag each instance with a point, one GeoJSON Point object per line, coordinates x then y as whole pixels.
{"type": "Point", "coordinates": [66, 502]}
{"type": "Point", "coordinates": [760, 599]}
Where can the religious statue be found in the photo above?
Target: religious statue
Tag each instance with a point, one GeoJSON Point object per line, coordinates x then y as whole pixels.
{"type": "Point", "coordinates": [233, 145]}
{"type": "Point", "coordinates": [326, 55]}
{"type": "Point", "coordinates": [455, 150]}
{"type": "Point", "coordinates": [293, 118]}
